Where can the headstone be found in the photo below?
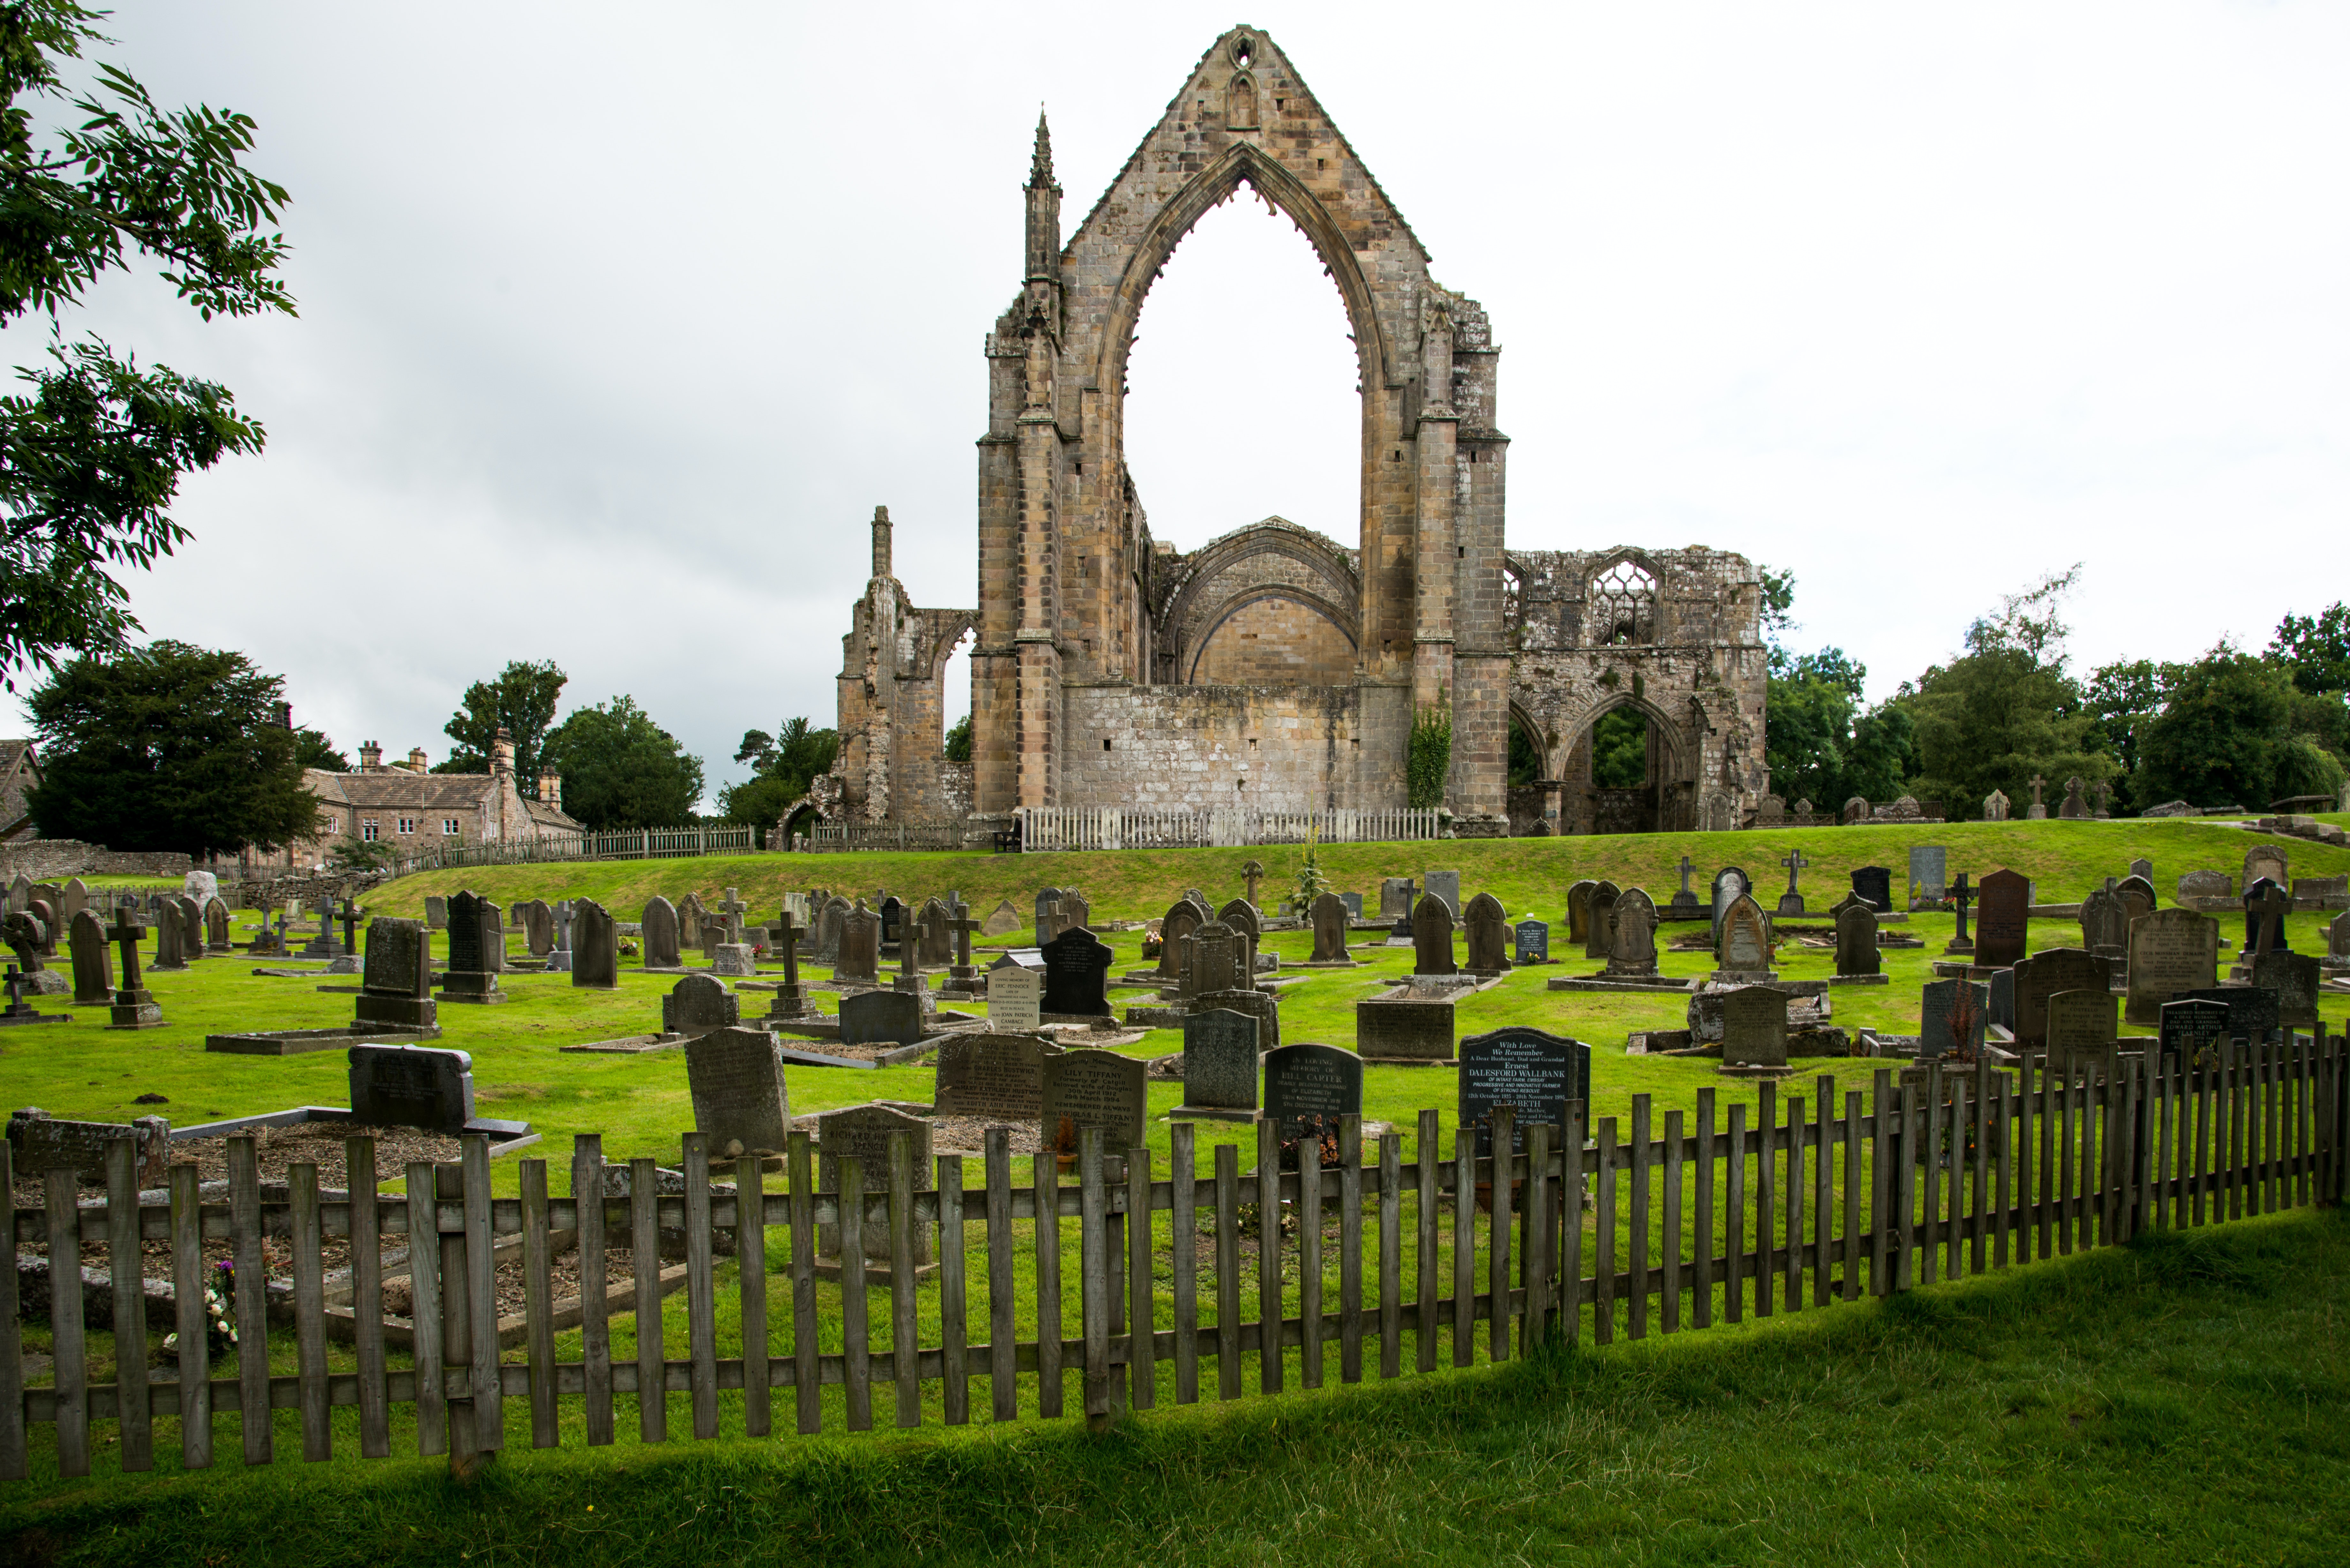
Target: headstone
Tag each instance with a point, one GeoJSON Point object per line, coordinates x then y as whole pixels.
{"type": "Point", "coordinates": [2266, 860]}
{"type": "Point", "coordinates": [1928, 865]}
{"type": "Point", "coordinates": [476, 941]}
{"type": "Point", "coordinates": [1487, 925]}
{"type": "Point", "coordinates": [662, 934]}
{"type": "Point", "coordinates": [2075, 807]}
{"type": "Point", "coordinates": [2294, 976]}
{"type": "Point", "coordinates": [698, 1004]}
{"type": "Point", "coordinates": [831, 915]}
{"type": "Point", "coordinates": [396, 985]}
{"type": "Point", "coordinates": [1874, 883]}
{"type": "Point", "coordinates": [1047, 915]}
{"type": "Point", "coordinates": [1632, 951]}
{"type": "Point", "coordinates": [1431, 937]}
{"type": "Point", "coordinates": [1093, 1089]}
{"type": "Point", "coordinates": [2251, 1009]}
{"type": "Point", "coordinates": [1533, 1073]}
{"type": "Point", "coordinates": [740, 1102]}
{"type": "Point", "coordinates": [1730, 884]}
{"type": "Point", "coordinates": [1790, 902]}
{"type": "Point", "coordinates": [1242, 916]}
{"type": "Point", "coordinates": [2003, 919]}
{"type": "Point", "coordinates": [1754, 1027]}
{"type": "Point", "coordinates": [2002, 999]}
{"type": "Point", "coordinates": [170, 940]}
{"type": "Point", "coordinates": [1220, 1054]}
{"type": "Point", "coordinates": [2105, 923]}
{"type": "Point", "coordinates": [691, 919]}
{"type": "Point", "coordinates": [411, 1086]}
{"type": "Point", "coordinates": [595, 946]}
{"type": "Point", "coordinates": [1307, 1090]}
{"type": "Point", "coordinates": [1261, 1005]}
{"type": "Point", "coordinates": [1396, 895]}
{"type": "Point", "coordinates": [559, 960]}
{"type": "Point", "coordinates": [1077, 966]}
{"type": "Point", "coordinates": [1446, 885]}
{"type": "Point", "coordinates": [2080, 1025]}
{"type": "Point", "coordinates": [1004, 921]}
{"type": "Point", "coordinates": [2144, 868]}
{"type": "Point", "coordinates": [2337, 940]}
{"type": "Point", "coordinates": [1076, 910]}
{"type": "Point", "coordinates": [1405, 1025]}
{"type": "Point", "coordinates": [863, 1133]}
{"type": "Point", "coordinates": [998, 1077]}
{"type": "Point", "coordinates": [2266, 903]}
{"type": "Point", "coordinates": [2206, 885]}
{"type": "Point", "coordinates": [860, 947]}
{"type": "Point", "coordinates": [202, 886]}
{"type": "Point", "coordinates": [2136, 895]}
{"type": "Point", "coordinates": [538, 926]}
{"type": "Point", "coordinates": [1354, 902]}
{"type": "Point", "coordinates": [882, 1018]}
{"type": "Point", "coordinates": [1951, 1016]}
{"type": "Point", "coordinates": [1856, 950]}
{"type": "Point", "coordinates": [936, 942]}
{"type": "Point", "coordinates": [134, 1006]}
{"type": "Point", "coordinates": [1176, 928]}
{"type": "Point", "coordinates": [1856, 809]}
{"type": "Point", "coordinates": [1533, 941]}
{"type": "Point", "coordinates": [1599, 941]}
{"type": "Point", "coordinates": [436, 912]}
{"type": "Point", "coordinates": [1330, 921]}
{"type": "Point", "coordinates": [2193, 1031]}
{"type": "Point", "coordinates": [39, 1143]}
{"type": "Point", "coordinates": [1016, 998]}
{"type": "Point", "coordinates": [1745, 939]}
{"type": "Point", "coordinates": [216, 937]}
{"type": "Point", "coordinates": [73, 898]}
{"type": "Point", "coordinates": [893, 913]}
{"type": "Point", "coordinates": [2170, 951]}
{"type": "Point", "coordinates": [2050, 971]}
{"type": "Point", "coordinates": [93, 971]}
{"type": "Point", "coordinates": [1579, 910]}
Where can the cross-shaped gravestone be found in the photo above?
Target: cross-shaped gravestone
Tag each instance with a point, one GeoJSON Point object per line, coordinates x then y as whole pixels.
{"type": "Point", "coordinates": [1253, 871]}
{"type": "Point", "coordinates": [910, 952]}
{"type": "Point", "coordinates": [1685, 868]}
{"type": "Point", "coordinates": [790, 1000]}
{"type": "Point", "coordinates": [127, 933]}
{"type": "Point", "coordinates": [2037, 782]}
{"type": "Point", "coordinates": [2267, 908]}
{"type": "Point", "coordinates": [1793, 860]}
{"type": "Point", "coordinates": [962, 925]}
{"type": "Point", "coordinates": [2102, 789]}
{"type": "Point", "coordinates": [17, 1008]}
{"type": "Point", "coordinates": [351, 913]}
{"type": "Point", "coordinates": [734, 908]}
{"type": "Point", "coordinates": [1959, 895]}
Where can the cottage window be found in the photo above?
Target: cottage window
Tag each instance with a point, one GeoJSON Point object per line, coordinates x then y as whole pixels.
{"type": "Point", "coordinates": [449, 827]}
{"type": "Point", "coordinates": [407, 825]}
{"type": "Point", "coordinates": [367, 830]}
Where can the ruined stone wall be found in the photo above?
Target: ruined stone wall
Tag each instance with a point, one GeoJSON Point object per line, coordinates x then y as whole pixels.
{"type": "Point", "coordinates": [1274, 748]}
{"type": "Point", "coordinates": [1275, 638]}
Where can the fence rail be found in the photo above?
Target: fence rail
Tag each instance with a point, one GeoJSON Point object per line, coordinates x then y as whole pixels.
{"type": "Point", "coordinates": [1686, 1221]}
{"type": "Point", "coordinates": [1114, 827]}
{"type": "Point", "coordinates": [621, 844]}
{"type": "Point", "coordinates": [838, 837]}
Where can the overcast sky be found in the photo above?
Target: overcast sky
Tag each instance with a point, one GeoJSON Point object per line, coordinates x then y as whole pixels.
{"type": "Point", "coordinates": [617, 322]}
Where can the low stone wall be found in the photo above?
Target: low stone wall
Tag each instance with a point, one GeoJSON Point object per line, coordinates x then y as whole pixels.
{"type": "Point", "coordinates": [304, 888]}
{"type": "Point", "coordinates": [47, 859]}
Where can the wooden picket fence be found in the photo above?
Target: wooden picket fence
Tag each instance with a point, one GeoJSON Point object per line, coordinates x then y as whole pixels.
{"type": "Point", "coordinates": [620, 843]}
{"type": "Point", "coordinates": [1952, 1173]}
{"type": "Point", "coordinates": [1114, 827]}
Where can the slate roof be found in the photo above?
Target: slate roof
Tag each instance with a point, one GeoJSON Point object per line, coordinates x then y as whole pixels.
{"type": "Point", "coordinates": [396, 789]}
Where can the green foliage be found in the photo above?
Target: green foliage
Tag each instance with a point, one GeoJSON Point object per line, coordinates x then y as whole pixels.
{"type": "Point", "coordinates": [1883, 756]}
{"type": "Point", "coordinates": [758, 800]}
{"type": "Point", "coordinates": [2315, 649]}
{"type": "Point", "coordinates": [521, 701]}
{"type": "Point", "coordinates": [167, 747]}
{"type": "Point", "coordinates": [1778, 602]}
{"type": "Point", "coordinates": [92, 454]}
{"type": "Point", "coordinates": [1809, 705]}
{"type": "Point", "coordinates": [2218, 738]}
{"type": "Point", "coordinates": [2124, 698]}
{"type": "Point", "coordinates": [621, 770]}
{"type": "Point", "coordinates": [1525, 757]}
{"type": "Point", "coordinates": [1428, 755]}
{"type": "Point", "coordinates": [313, 750]}
{"type": "Point", "coordinates": [783, 766]}
{"type": "Point", "coordinates": [2303, 766]}
{"type": "Point", "coordinates": [958, 747]}
{"type": "Point", "coordinates": [353, 855]}
{"type": "Point", "coordinates": [1619, 749]}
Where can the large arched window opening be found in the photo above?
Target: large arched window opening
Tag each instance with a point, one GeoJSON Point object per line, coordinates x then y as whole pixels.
{"type": "Point", "coordinates": [1242, 397]}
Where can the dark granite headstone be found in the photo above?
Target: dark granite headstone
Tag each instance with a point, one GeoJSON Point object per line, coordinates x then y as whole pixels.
{"type": "Point", "coordinates": [1578, 911]}
{"type": "Point", "coordinates": [1220, 1052]}
{"type": "Point", "coordinates": [2251, 1011]}
{"type": "Point", "coordinates": [1951, 1016]}
{"type": "Point", "coordinates": [2048, 972]}
{"type": "Point", "coordinates": [1533, 941]}
{"type": "Point", "coordinates": [2003, 919]}
{"type": "Point", "coordinates": [740, 1101]}
{"type": "Point", "coordinates": [1488, 925]}
{"type": "Point", "coordinates": [396, 982]}
{"type": "Point", "coordinates": [659, 930]}
{"type": "Point", "coordinates": [93, 966]}
{"type": "Point", "coordinates": [411, 1086]}
{"type": "Point", "coordinates": [595, 946]}
{"type": "Point", "coordinates": [1431, 937]}
{"type": "Point", "coordinates": [2266, 904]}
{"type": "Point", "coordinates": [1875, 883]}
{"type": "Point", "coordinates": [1405, 1025]}
{"type": "Point", "coordinates": [882, 1018]}
{"type": "Point", "coordinates": [1077, 966]}
{"type": "Point", "coordinates": [1534, 1073]}
{"type": "Point", "coordinates": [2294, 977]}
{"type": "Point", "coordinates": [1754, 1027]}
{"type": "Point", "coordinates": [1856, 950]}
{"type": "Point", "coordinates": [2192, 1030]}
{"type": "Point", "coordinates": [1599, 937]}
{"type": "Point", "coordinates": [1307, 1088]}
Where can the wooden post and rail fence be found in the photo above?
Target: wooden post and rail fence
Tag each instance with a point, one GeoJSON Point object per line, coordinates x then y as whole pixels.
{"type": "Point", "coordinates": [1585, 1235]}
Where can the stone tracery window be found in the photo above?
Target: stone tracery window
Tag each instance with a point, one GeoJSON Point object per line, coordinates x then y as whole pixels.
{"type": "Point", "coordinates": [1622, 605]}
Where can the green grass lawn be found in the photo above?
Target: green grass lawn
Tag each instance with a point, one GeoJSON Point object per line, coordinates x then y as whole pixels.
{"type": "Point", "coordinates": [2177, 1401]}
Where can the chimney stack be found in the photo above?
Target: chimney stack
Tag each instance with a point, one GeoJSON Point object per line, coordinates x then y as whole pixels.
{"type": "Point", "coordinates": [502, 754]}
{"type": "Point", "coordinates": [550, 787]}
{"type": "Point", "coordinates": [416, 758]}
{"type": "Point", "coordinates": [371, 757]}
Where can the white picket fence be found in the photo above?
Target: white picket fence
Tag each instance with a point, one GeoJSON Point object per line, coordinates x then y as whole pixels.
{"type": "Point", "coordinates": [1112, 827]}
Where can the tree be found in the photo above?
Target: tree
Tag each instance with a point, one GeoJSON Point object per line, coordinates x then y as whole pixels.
{"type": "Point", "coordinates": [2123, 698]}
{"type": "Point", "coordinates": [1810, 701]}
{"type": "Point", "coordinates": [1619, 749]}
{"type": "Point", "coordinates": [521, 701]}
{"type": "Point", "coordinates": [92, 453]}
{"type": "Point", "coordinates": [958, 746]}
{"type": "Point", "coordinates": [1525, 757]}
{"type": "Point", "coordinates": [313, 750]}
{"type": "Point", "coordinates": [2315, 649]}
{"type": "Point", "coordinates": [167, 747]}
{"type": "Point", "coordinates": [783, 766]}
{"type": "Point", "coordinates": [621, 770]}
{"type": "Point", "coordinates": [2219, 738]}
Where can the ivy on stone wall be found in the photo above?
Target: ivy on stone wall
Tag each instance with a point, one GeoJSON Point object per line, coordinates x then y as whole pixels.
{"type": "Point", "coordinates": [1429, 757]}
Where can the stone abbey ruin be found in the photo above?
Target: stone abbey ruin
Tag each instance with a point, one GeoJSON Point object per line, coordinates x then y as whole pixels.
{"type": "Point", "coordinates": [1273, 668]}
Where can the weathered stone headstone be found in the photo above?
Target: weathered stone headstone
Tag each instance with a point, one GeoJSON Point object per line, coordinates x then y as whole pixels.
{"type": "Point", "coordinates": [1874, 883]}
{"type": "Point", "coordinates": [860, 947]}
{"type": "Point", "coordinates": [216, 937]}
{"type": "Point", "coordinates": [93, 971]}
{"type": "Point", "coordinates": [538, 925]}
{"type": "Point", "coordinates": [73, 898]}
{"type": "Point", "coordinates": [1176, 928]}
{"type": "Point", "coordinates": [2266, 860]}
{"type": "Point", "coordinates": [411, 1086]}
{"type": "Point", "coordinates": [1487, 925]}
{"type": "Point", "coordinates": [2294, 976]}
{"type": "Point", "coordinates": [698, 1004]}
{"type": "Point", "coordinates": [396, 985]}
{"type": "Point", "coordinates": [595, 946]}
{"type": "Point", "coordinates": [1599, 941]}
{"type": "Point", "coordinates": [1534, 1073]}
{"type": "Point", "coordinates": [1431, 937]}
{"type": "Point", "coordinates": [936, 944]}
{"type": "Point", "coordinates": [1048, 915]}
{"type": "Point", "coordinates": [1220, 1052]}
{"type": "Point", "coordinates": [171, 938]}
{"type": "Point", "coordinates": [2337, 942]}
{"type": "Point", "coordinates": [2192, 1032]}
{"type": "Point", "coordinates": [436, 912]}
{"type": "Point", "coordinates": [691, 919]}
{"type": "Point", "coordinates": [2002, 999]}
{"type": "Point", "coordinates": [1307, 1088]}
{"type": "Point", "coordinates": [2170, 951]}
{"type": "Point", "coordinates": [2003, 919]}
{"type": "Point", "coordinates": [2105, 923]}
{"type": "Point", "coordinates": [1754, 1027]}
{"type": "Point", "coordinates": [1016, 998]}
{"type": "Point", "coordinates": [2047, 972]}
{"type": "Point", "coordinates": [662, 934]}
{"type": "Point", "coordinates": [882, 1018]}
{"type": "Point", "coordinates": [1632, 947]}
{"type": "Point", "coordinates": [2266, 903]}
{"type": "Point", "coordinates": [1076, 967]}
{"type": "Point", "coordinates": [1951, 1016]}
{"type": "Point", "coordinates": [1928, 866]}
{"type": "Point", "coordinates": [1076, 910]}
{"type": "Point", "coordinates": [1856, 950]}
{"type": "Point", "coordinates": [2080, 1025]}
{"type": "Point", "coordinates": [1242, 916]}
{"type": "Point", "coordinates": [1396, 897]}
{"type": "Point", "coordinates": [1093, 1088]}
{"type": "Point", "coordinates": [1003, 921]}
{"type": "Point", "coordinates": [1730, 884]}
{"type": "Point", "coordinates": [1790, 902]}
{"type": "Point", "coordinates": [998, 1077]}
{"type": "Point", "coordinates": [740, 1102]}
{"type": "Point", "coordinates": [134, 1006]}
{"type": "Point", "coordinates": [2075, 807]}
{"type": "Point", "coordinates": [199, 886]}
{"type": "Point", "coordinates": [475, 943]}
{"type": "Point", "coordinates": [1744, 939]}
{"type": "Point", "coordinates": [2206, 885]}
{"type": "Point", "coordinates": [39, 1143]}
{"type": "Point", "coordinates": [1579, 910]}
{"type": "Point", "coordinates": [863, 1133]}
{"type": "Point", "coordinates": [1329, 930]}
{"type": "Point", "coordinates": [1446, 885]}
{"type": "Point", "coordinates": [1533, 939]}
